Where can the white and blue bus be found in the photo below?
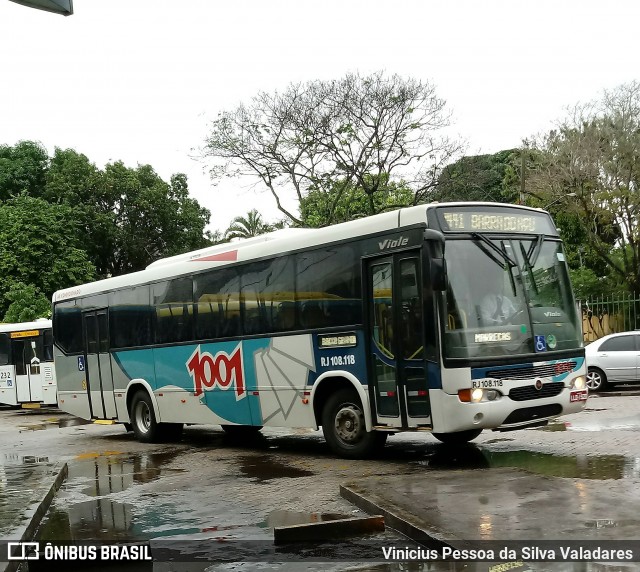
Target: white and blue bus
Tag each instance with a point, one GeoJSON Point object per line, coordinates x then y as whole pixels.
{"type": "Point", "coordinates": [365, 328]}
{"type": "Point", "coordinates": [27, 375]}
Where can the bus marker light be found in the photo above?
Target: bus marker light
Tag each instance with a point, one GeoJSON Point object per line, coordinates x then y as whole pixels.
{"type": "Point", "coordinates": [255, 393]}
{"type": "Point", "coordinates": [305, 401]}
{"type": "Point", "coordinates": [183, 401]}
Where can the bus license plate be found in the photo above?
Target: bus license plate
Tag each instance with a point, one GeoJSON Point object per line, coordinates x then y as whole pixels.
{"type": "Point", "coordinates": [578, 396]}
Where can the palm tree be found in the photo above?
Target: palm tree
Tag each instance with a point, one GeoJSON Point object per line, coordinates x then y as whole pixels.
{"type": "Point", "coordinates": [247, 226]}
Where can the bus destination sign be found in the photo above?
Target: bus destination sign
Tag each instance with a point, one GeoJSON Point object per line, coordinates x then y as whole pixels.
{"type": "Point", "coordinates": [495, 220]}
{"type": "Point", "coordinates": [25, 334]}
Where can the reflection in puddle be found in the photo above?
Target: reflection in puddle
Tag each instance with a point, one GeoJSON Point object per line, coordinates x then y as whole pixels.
{"type": "Point", "coordinates": [115, 474]}
{"type": "Point", "coordinates": [581, 467]}
{"type": "Point", "coordinates": [557, 426]}
{"type": "Point", "coordinates": [98, 520]}
{"type": "Point", "coordinates": [53, 423]}
{"type": "Point", "coordinates": [578, 467]}
{"type": "Point", "coordinates": [266, 468]}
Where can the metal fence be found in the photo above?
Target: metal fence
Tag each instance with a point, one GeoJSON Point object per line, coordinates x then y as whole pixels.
{"type": "Point", "coordinates": [609, 314]}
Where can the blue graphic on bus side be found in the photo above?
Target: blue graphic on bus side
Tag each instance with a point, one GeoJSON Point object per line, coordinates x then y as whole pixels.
{"type": "Point", "coordinates": [80, 363]}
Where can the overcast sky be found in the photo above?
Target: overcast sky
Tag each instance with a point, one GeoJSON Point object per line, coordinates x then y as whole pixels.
{"type": "Point", "coordinates": [140, 80]}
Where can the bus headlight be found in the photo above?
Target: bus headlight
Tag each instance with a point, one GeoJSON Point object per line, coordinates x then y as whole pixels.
{"type": "Point", "coordinates": [477, 395]}
{"type": "Point", "coordinates": [579, 382]}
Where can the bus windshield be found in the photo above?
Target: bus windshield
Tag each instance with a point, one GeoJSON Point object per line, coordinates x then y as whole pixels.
{"type": "Point", "coordinates": [508, 296]}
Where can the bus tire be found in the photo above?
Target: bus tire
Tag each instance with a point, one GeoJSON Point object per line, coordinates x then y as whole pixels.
{"type": "Point", "coordinates": [458, 437]}
{"type": "Point", "coordinates": [143, 419]}
{"type": "Point", "coordinates": [343, 425]}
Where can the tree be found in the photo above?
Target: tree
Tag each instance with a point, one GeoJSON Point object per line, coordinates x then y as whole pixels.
{"type": "Point", "coordinates": [26, 304]}
{"type": "Point", "coordinates": [22, 169]}
{"type": "Point", "coordinates": [479, 178]}
{"type": "Point", "coordinates": [594, 154]}
{"type": "Point", "coordinates": [247, 226]}
{"type": "Point", "coordinates": [40, 247]}
{"type": "Point", "coordinates": [366, 132]}
{"type": "Point", "coordinates": [127, 217]}
{"type": "Point", "coordinates": [344, 201]}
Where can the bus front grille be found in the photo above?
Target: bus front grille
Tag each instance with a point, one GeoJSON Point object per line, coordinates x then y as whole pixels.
{"type": "Point", "coordinates": [530, 392]}
{"type": "Point", "coordinates": [530, 372]}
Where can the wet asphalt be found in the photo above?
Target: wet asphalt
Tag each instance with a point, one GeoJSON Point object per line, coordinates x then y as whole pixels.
{"type": "Point", "coordinates": [576, 478]}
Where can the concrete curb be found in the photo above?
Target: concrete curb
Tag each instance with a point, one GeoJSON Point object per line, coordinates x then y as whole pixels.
{"type": "Point", "coordinates": [395, 518]}
{"type": "Point", "coordinates": [26, 532]}
{"type": "Point", "coordinates": [327, 529]}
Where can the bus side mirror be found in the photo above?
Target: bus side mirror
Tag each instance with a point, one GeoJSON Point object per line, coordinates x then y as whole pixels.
{"type": "Point", "coordinates": [439, 274]}
{"type": "Point", "coordinates": [437, 263]}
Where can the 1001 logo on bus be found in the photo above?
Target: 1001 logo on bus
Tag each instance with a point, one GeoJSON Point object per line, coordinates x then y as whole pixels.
{"type": "Point", "coordinates": [221, 370]}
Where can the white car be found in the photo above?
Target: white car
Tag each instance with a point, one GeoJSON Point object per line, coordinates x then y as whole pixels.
{"type": "Point", "coordinates": [613, 359]}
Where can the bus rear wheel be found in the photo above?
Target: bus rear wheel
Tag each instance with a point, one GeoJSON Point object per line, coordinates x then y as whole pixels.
{"type": "Point", "coordinates": [458, 437]}
{"type": "Point", "coordinates": [343, 425]}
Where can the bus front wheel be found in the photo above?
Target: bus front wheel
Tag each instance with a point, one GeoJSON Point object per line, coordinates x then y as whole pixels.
{"type": "Point", "coordinates": [343, 425]}
{"type": "Point", "coordinates": [458, 437]}
{"type": "Point", "coordinates": [144, 424]}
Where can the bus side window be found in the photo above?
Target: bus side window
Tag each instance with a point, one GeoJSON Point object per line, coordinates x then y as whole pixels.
{"type": "Point", "coordinates": [173, 301]}
{"type": "Point", "coordinates": [130, 317]}
{"type": "Point", "coordinates": [5, 349]}
{"type": "Point", "coordinates": [217, 296]}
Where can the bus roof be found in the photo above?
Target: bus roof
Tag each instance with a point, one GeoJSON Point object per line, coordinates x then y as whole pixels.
{"type": "Point", "coordinates": [39, 324]}
{"type": "Point", "coordinates": [270, 244]}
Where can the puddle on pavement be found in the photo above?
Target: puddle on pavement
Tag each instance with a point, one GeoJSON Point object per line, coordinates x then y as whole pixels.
{"type": "Point", "coordinates": [53, 423]}
{"type": "Point", "coordinates": [558, 426]}
{"type": "Point", "coordinates": [265, 468]}
{"type": "Point", "coordinates": [597, 467]}
{"type": "Point", "coordinates": [290, 517]}
{"type": "Point", "coordinates": [577, 467]}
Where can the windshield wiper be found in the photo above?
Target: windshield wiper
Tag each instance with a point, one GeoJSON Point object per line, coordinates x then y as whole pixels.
{"type": "Point", "coordinates": [508, 264]}
{"type": "Point", "coordinates": [528, 265]}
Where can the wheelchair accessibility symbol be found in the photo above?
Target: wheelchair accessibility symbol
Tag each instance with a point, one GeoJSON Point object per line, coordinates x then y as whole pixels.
{"type": "Point", "coordinates": [541, 344]}
{"type": "Point", "coordinates": [80, 363]}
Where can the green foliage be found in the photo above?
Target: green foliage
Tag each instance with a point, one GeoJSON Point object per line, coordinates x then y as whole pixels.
{"type": "Point", "coordinates": [345, 201]}
{"type": "Point", "coordinates": [63, 221]}
{"type": "Point", "coordinates": [590, 165]}
{"type": "Point", "coordinates": [480, 178]}
{"type": "Point", "coordinates": [247, 226]}
{"type": "Point", "coordinates": [22, 169]}
{"type": "Point", "coordinates": [40, 246]}
{"type": "Point", "coordinates": [26, 304]}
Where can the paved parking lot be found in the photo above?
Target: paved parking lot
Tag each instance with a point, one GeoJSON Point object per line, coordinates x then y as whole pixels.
{"type": "Point", "coordinates": [210, 487]}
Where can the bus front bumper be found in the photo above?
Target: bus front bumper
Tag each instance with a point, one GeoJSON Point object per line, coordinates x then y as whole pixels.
{"type": "Point", "coordinates": [503, 414]}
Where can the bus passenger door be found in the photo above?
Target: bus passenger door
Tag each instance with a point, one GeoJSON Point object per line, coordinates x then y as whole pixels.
{"type": "Point", "coordinates": [28, 377]}
{"type": "Point", "coordinates": [98, 365]}
{"type": "Point", "coordinates": [397, 369]}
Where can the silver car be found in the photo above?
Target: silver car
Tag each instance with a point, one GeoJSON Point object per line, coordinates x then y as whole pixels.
{"type": "Point", "coordinates": [613, 359]}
